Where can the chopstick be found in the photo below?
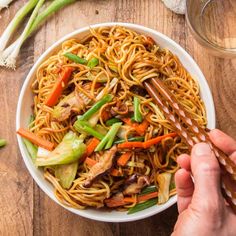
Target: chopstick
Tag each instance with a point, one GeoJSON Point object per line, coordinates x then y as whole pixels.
{"type": "Point", "coordinates": [177, 116]}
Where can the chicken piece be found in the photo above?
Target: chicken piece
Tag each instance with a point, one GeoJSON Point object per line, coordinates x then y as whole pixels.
{"type": "Point", "coordinates": [140, 182]}
{"type": "Point", "coordinates": [102, 167]}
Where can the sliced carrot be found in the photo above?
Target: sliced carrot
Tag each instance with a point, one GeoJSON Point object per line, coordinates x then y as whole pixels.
{"type": "Point", "coordinates": [91, 146]}
{"type": "Point", "coordinates": [130, 145]}
{"type": "Point", "coordinates": [115, 172]}
{"type": "Point", "coordinates": [140, 128]}
{"type": "Point", "coordinates": [106, 115]}
{"type": "Point", "coordinates": [156, 140]}
{"type": "Point", "coordinates": [119, 202]}
{"type": "Point", "coordinates": [35, 139]}
{"type": "Point", "coordinates": [58, 87]}
{"type": "Point", "coordinates": [124, 158]}
{"type": "Point", "coordinates": [147, 196]}
{"type": "Point", "coordinates": [90, 162]}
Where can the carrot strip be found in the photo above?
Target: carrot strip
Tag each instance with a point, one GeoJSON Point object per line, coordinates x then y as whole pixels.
{"type": "Point", "coordinates": [116, 203]}
{"type": "Point", "coordinates": [58, 87]}
{"type": "Point", "coordinates": [35, 139]}
{"type": "Point", "coordinates": [115, 172]}
{"type": "Point", "coordinates": [90, 162]}
{"type": "Point", "coordinates": [156, 140]}
{"type": "Point", "coordinates": [91, 146]}
{"type": "Point", "coordinates": [147, 196]}
{"type": "Point", "coordinates": [140, 128]}
{"type": "Point", "coordinates": [130, 145]}
{"type": "Point", "coordinates": [105, 115]}
{"type": "Point", "coordinates": [124, 158]}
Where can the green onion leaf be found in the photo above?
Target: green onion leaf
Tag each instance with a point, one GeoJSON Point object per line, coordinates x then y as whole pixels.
{"type": "Point", "coordinates": [3, 142]}
{"type": "Point", "coordinates": [133, 139]}
{"type": "Point", "coordinates": [75, 58]}
{"type": "Point", "coordinates": [148, 189]}
{"type": "Point", "coordinates": [93, 62]}
{"type": "Point", "coordinates": [31, 148]}
{"type": "Point", "coordinates": [112, 121]}
{"type": "Point", "coordinates": [142, 206]}
{"type": "Point", "coordinates": [137, 114]}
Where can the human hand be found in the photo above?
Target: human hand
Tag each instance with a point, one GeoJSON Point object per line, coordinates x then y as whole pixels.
{"type": "Point", "coordinates": [202, 208]}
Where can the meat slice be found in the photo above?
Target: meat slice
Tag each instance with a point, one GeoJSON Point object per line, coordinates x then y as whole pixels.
{"type": "Point", "coordinates": [102, 167]}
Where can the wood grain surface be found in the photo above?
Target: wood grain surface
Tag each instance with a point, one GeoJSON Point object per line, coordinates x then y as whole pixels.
{"type": "Point", "coordinates": [24, 208]}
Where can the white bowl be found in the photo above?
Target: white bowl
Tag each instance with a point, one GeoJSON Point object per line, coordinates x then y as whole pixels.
{"type": "Point", "coordinates": [24, 112]}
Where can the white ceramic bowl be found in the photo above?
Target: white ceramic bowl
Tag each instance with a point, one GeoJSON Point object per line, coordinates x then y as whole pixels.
{"type": "Point", "coordinates": [24, 112]}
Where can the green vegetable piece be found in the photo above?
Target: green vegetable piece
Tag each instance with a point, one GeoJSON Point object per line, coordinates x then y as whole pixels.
{"type": "Point", "coordinates": [93, 62]}
{"type": "Point", "coordinates": [84, 127]}
{"type": "Point", "coordinates": [137, 114]}
{"type": "Point", "coordinates": [3, 142]}
{"type": "Point", "coordinates": [107, 98]}
{"type": "Point", "coordinates": [107, 141]}
{"type": "Point", "coordinates": [31, 148]}
{"type": "Point", "coordinates": [133, 139]}
{"type": "Point", "coordinates": [112, 121]}
{"type": "Point", "coordinates": [148, 189]}
{"type": "Point", "coordinates": [142, 206]}
{"type": "Point", "coordinates": [69, 150]}
{"type": "Point", "coordinates": [66, 174]}
{"type": "Point", "coordinates": [100, 129]}
{"type": "Point", "coordinates": [75, 58]}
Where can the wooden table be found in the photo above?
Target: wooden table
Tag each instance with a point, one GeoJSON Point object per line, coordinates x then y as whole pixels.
{"type": "Point", "coordinates": [24, 208]}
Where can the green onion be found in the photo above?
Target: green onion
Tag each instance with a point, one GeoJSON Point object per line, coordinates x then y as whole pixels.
{"type": "Point", "coordinates": [142, 206]}
{"type": "Point", "coordinates": [3, 142]}
{"type": "Point", "coordinates": [137, 114]}
{"type": "Point", "coordinates": [148, 189]}
{"type": "Point", "coordinates": [7, 34]}
{"type": "Point", "coordinates": [85, 127]}
{"type": "Point", "coordinates": [115, 128]}
{"type": "Point", "coordinates": [93, 62]}
{"type": "Point", "coordinates": [107, 98]}
{"type": "Point", "coordinates": [109, 138]}
{"type": "Point", "coordinates": [112, 121]}
{"type": "Point", "coordinates": [75, 58]}
{"type": "Point", "coordinates": [31, 148]}
{"type": "Point", "coordinates": [133, 139]}
{"type": "Point", "coordinates": [11, 59]}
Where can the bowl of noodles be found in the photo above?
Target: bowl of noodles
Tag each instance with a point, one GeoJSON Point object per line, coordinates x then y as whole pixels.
{"type": "Point", "coordinates": [89, 133]}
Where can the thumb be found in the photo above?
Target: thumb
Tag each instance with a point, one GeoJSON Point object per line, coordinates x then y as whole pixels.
{"type": "Point", "coordinates": [206, 173]}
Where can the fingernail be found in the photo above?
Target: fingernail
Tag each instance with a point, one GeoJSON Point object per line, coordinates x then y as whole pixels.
{"type": "Point", "coordinates": [201, 149]}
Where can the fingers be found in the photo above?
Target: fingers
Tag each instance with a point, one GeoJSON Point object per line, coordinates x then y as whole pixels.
{"type": "Point", "coordinates": [224, 142]}
{"type": "Point", "coordinates": [185, 188]}
{"type": "Point", "coordinates": [206, 173]}
{"type": "Point", "coordinates": [184, 161]}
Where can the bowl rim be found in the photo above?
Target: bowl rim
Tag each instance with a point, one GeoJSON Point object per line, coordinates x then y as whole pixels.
{"type": "Point", "coordinates": [47, 52]}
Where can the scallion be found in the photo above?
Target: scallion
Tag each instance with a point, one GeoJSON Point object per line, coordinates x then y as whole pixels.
{"type": "Point", "coordinates": [93, 62]}
{"type": "Point", "coordinates": [75, 58]}
{"type": "Point", "coordinates": [112, 121]}
{"type": "Point", "coordinates": [107, 98]}
{"type": "Point", "coordinates": [31, 148]}
{"type": "Point", "coordinates": [109, 138]}
{"type": "Point", "coordinates": [137, 114]}
{"type": "Point", "coordinates": [142, 206]}
{"type": "Point", "coordinates": [3, 142]}
{"type": "Point", "coordinates": [133, 139]}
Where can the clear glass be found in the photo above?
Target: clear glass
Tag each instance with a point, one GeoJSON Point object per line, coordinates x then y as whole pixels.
{"type": "Point", "coordinates": [213, 23]}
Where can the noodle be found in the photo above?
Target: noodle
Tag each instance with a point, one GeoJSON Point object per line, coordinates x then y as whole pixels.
{"type": "Point", "coordinates": [132, 58]}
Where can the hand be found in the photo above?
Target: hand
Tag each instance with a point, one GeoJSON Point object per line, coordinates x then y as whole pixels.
{"type": "Point", "coordinates": [202, 208]}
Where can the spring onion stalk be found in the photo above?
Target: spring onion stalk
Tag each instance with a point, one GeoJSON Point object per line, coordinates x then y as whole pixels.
{"type": "Point", "coordinates": [84, 127]}
{"type": "Point", "coordinates": [137, 114]}
{"type": "Point", "coordinates": [93, 62]}
{"type": "Point", "coordinates": [112, 121]}
{"type": "Point", "coordinates": [11, 59]}
{"type": "Point", "coordinates": [41, 17]}
{"type": "Point", "coordinates": [31, 148]}
{"type": "Point", "coordinates": [109, 137]}
{"type": "Point", "coordinates": [142, 206]}
{"type": "Point", "coordinates": [20, 15]}
{"type": "Point", "coordinates": [3, 142]}
{"type": "Point", "coordinates": [115, 128]}
{"type": "Point", "coordinates": [107, 98]}
{"type": "Point", "coordinates": [133, 139]}
{"type": "Point", "coordinates": [4, 3]}
{"type": "Point", "coordinates": [148, 189]}
{"type": "Point", "coordinates": [75, 58]}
